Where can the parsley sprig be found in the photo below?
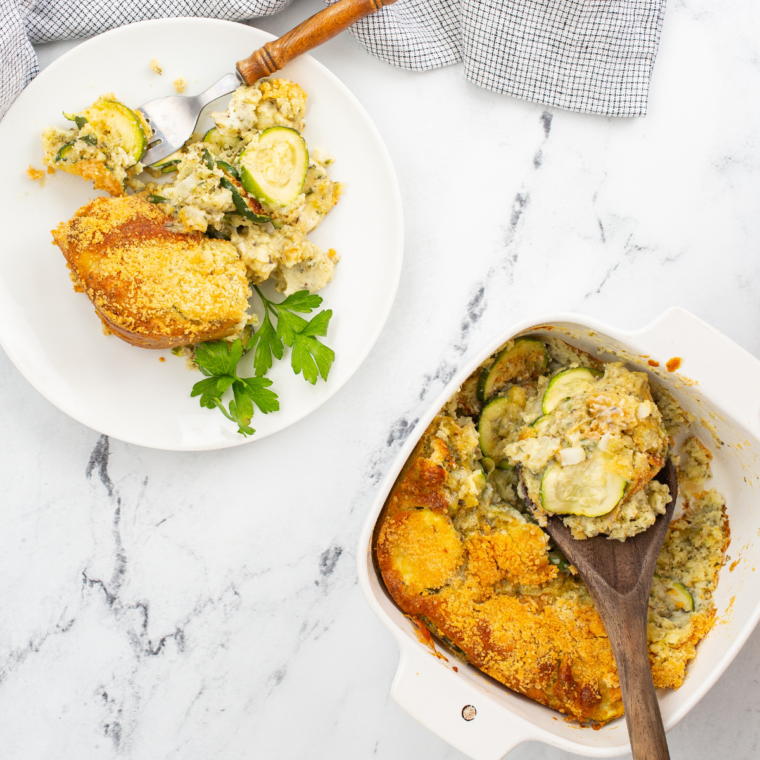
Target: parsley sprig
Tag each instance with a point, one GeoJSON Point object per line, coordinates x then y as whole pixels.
{"type": "Point", "coordinates": [309, 356]}
{"type": "Point", "coordinates": [219, 360]}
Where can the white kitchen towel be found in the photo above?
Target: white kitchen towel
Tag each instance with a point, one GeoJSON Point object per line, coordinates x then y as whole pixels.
{"type": "Point", "coordinates": [594, 56]}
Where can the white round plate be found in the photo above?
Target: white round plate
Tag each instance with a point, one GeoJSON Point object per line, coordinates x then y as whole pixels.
{"type": "Point", "coordinates": [52, 333]}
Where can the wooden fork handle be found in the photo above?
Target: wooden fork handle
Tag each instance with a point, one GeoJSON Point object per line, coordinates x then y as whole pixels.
{"type": "Point", "coordinates": [306, 36]}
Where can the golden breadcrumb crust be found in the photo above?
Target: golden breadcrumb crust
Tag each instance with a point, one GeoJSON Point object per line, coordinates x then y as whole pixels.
{"type": "Point", "coordinates": [490, 593]}
{"type": "Point", "coordinates": [153, 287]}
{"type": "Point", "coordinates": [98, 173]}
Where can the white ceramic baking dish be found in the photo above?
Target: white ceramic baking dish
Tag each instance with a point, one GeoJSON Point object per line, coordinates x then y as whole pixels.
{"type": "Point", "coordinates": [718, 382]}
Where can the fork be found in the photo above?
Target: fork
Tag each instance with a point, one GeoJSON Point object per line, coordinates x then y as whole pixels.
{"type": "Point", "coordinates": [173, 119]}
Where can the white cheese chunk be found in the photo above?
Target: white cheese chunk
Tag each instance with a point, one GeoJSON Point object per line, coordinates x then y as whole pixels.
{"type": "Point", "coordinates": [574, 455]}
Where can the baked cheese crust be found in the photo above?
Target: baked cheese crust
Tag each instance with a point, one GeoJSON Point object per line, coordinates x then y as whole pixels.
{"type": "Point", "coordinates": [461, 553]}
{"type": "Point", "coordinates": [151, 286]}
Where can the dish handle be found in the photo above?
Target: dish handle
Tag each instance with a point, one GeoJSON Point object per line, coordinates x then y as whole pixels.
{"type": "Point", "coordinates": [454, 708]}
{"type": "Point", "coordinates": [707, 354]}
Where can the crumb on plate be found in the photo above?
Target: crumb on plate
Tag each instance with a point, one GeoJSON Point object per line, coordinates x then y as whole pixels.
{"type": "Point", "coordinates": [156, 66]}
{"type": "Point", "coordinates": [179, 84]}
{"type": "Point", "coordinates": [33, 173]}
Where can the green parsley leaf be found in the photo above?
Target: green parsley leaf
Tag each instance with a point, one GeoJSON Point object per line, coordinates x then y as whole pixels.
{"type": "Point", "coordinates": [208, 390]}
{"type": "Point", "coordinates": [241, 406]}
{"type": "Point", "coordinates": [218, 357]}
{"type": "Point", "coordinates": [224, 382]}
{"type": "Point", "coordinates": [311, 357]}
{"type": "Point", "coordinates": [301, 301]}
{"type": "Point", "coordinates": [218, 360]}
{"type": "Point", "coordinates": [257, 389]}
{"type": "Point", "coordinates": [268, 343]}
{"type": "Point", "coordinates": [289, 325]}
{"type": "Point", "coordinates": [318, 324]}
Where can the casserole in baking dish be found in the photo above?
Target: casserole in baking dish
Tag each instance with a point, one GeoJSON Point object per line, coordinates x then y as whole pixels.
{"type": "Point", "coordinates": [437, 690]}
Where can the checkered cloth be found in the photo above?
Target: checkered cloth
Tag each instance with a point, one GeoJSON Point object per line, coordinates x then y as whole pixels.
{"type": "Point", "coordinates": [594, 56]}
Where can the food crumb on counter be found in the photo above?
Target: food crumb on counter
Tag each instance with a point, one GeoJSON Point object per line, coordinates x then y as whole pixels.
{"type": "Point", "coordinates": [180, 84]}
{"type": "Point", "coordinates": [673, 364]}
{"type": "Point", "coordinates": [156, 66]}
{"type": "Point", "coordinates": [162, 358]}
{"type": "Point", "coordinates": [35, 174]}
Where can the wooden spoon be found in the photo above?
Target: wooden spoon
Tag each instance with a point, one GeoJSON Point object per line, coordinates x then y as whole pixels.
{"type": "Point", "coordinates": [619, 577]}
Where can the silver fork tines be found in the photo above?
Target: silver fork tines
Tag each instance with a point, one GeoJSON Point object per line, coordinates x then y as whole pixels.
{"type": "Point", "coordinates": [173, 119]}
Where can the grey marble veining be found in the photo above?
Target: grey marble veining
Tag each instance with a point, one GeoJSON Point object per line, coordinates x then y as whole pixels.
{"type": "Point", "coordinates": [190, 606]}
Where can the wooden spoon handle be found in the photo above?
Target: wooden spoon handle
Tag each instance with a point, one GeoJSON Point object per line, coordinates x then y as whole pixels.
{"type": "Point", "coordinates": [314, 31]}
{"type": "Point", "coordinates": [627, 630]}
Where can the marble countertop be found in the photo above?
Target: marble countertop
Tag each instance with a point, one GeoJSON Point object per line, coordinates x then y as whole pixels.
{"type": "Point", "coordinates": [205, 605]}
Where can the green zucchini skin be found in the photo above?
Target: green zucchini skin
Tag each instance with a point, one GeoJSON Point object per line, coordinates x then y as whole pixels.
{"type": "Point", "coordinates": [170, 163]}
{"type": "Point", "coordinates": [64, 151]}
{"type": "Point", "coordinates": [498, 419]}
{"type": "Point", "coordinates": [114, 120]}
{"type": "Point", "coordinates": [564, 384]}
{"type": "Point", "coordinates": [576, 490]}
{"type": "Point", "coordinates": [524, 359]}
{"type": "Point", "coordinates": [80, 121]}
{"type": "Point", "coordinates": [241, 205]}
{"type": "Point", "coordinates": [681, 596]}
{"type": "Point", "coordinates": [253, 173]}
{"type": "Point", "coordinates": [223, 143]}
{"type": "Point", "coordinates": [228, 168]}
{"type": "Point", "coordinates": [208, 159]}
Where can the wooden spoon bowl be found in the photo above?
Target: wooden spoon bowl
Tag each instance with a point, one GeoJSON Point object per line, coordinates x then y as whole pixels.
{"type": "Point", "coordinates": [619, 576]}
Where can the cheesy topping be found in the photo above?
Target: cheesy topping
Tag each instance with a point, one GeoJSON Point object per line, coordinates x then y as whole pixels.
{"type": "Point", "coordinates": [471, 565]}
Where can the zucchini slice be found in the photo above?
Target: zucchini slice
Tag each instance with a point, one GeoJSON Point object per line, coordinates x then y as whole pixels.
{"type": "Point", "coordinates": [228, 168]}
{"type": "Point", "coordinates": [80, 121]}
{"type": "Point", "coordinates": [498, 419]}
{"type": "Point", "coordinates": [586, 488]}
{"type": "Point", "coordinates": [214, 137]}
{"type": "Point", "coordinates": [243, 206]}
{"type": "Point", "coordinates": [681, 597]}
{"type": "Point", "coordinates": [170, 163]}
{"type": "Point", "coordinates": [64, 151]}
{"type": "Point", "coordinates": [117, 126]}
{"type": "Point", "coordinates": [526, 358]}
{"type": "Point", "coordinates": [273, 168]}
{"type": "Point", "coordinates": [566, 384]}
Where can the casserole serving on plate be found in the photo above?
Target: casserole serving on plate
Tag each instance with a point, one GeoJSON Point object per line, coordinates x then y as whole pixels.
{"type": "Point", "coordinates": [481, 717]}
{"type": "Point", "coordinates": [107, 384]}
